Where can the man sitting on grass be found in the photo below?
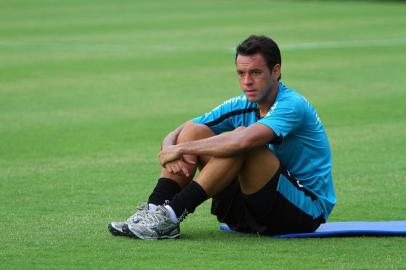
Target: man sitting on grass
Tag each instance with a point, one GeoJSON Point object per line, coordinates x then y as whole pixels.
{"type": "Point", "coordinates": [270, 174]}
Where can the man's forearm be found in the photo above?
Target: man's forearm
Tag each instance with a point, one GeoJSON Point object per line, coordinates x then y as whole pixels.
{"type": "Point", "coordinates": [229, 144]}
{"type": "Point", "coordinates": [224, 145]}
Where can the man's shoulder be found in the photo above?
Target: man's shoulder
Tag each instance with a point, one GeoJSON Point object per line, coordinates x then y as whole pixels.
{"type": "Point", "coordinates": [237, 103]}
{"type": "Point", "coordinates": [237, 99]}
{"type": "Point", "coordinates": [287, 94]}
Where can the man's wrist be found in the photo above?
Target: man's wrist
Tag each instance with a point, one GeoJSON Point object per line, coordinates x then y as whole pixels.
{"type": "Point", "coordinates": [181, 150]}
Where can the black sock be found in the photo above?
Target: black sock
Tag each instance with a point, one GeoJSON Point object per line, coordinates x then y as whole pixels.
{"type": "Point", "coordinates": [187, 200]}
{"type": "Point", "coordinates": [164, 190]}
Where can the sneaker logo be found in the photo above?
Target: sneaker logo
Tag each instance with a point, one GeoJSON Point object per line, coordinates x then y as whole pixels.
{"type": "Point", "coordinates": [183, 216]}
{"type": "Point", "coordinates": [164, 232]}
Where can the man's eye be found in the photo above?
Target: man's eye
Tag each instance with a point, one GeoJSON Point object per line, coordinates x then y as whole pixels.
{"type": "Point", "coordinates": [256, 72]}
{"type": "Point", "coordinates": [240, 73]}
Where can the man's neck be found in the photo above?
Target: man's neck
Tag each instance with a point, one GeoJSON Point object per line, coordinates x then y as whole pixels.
{"type": "Point", "coordinates": [268, 103]}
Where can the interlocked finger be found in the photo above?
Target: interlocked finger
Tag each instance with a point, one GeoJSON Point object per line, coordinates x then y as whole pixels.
{"type": "Point", "coordinates": [177, 167]}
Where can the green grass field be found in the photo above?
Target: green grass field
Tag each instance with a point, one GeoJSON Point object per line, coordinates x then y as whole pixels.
{"type": "Point", "coordinates": [89, 88]}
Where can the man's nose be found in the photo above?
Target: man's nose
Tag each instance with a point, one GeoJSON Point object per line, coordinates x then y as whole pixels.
{"type": "Point", "coordinates": [247, 79]}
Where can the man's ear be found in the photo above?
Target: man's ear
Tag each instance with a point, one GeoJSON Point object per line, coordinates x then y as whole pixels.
{"type": "Point", "coordinates": [276, 71]}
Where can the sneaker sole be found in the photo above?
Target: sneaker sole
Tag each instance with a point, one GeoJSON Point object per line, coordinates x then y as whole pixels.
{"type": "Point", "coordinates": [129, 233]}
{"type": "Point", "coordinates": [115, 232]}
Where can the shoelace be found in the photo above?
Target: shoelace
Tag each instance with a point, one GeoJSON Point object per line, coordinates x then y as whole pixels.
{"type": "Point", "coordinates": [154, 217]}
{"type": "Point", "coordinates": [140, 209]}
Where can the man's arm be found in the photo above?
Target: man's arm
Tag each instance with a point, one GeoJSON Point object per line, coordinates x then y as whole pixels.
{"type": "Point", "coordinates": [223, 145]}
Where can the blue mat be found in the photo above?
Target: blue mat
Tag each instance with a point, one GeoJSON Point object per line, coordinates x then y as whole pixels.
{"type": "Point", "coordinates": [348, 228]}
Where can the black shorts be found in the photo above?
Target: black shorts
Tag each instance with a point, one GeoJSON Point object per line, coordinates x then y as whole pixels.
{"type": "Point", "coordinates": [268, 211]}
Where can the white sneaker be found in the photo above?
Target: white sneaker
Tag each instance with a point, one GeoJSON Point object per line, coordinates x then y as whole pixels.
{"type": "Point", "coordinates": [155, 225]}
{"type": "Point", "coordinates": [116, 227]}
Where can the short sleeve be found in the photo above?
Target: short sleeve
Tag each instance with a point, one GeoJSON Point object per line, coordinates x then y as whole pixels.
{"type": "Point", "coordinates": [218, 119]}
{"type": "Point", "coordinates": [285, 116]}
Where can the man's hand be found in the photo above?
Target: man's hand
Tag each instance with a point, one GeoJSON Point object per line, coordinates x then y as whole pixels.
{"type": "Point", "coordinates": [169, 153]}
{"type": "Point", "coordinates": [177, 167]}
{"type": "Point", "coordinates": [172, 160]}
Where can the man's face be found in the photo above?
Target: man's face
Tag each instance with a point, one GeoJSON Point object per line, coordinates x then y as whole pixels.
{"type": "Point", "coordinates": [256, 80]}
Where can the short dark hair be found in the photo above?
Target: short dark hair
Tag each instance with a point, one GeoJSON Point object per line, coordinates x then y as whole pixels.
{"type": "Point", "coordinates": [263, 45]}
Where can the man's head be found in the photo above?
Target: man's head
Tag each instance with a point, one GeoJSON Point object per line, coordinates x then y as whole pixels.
{"type": "Point", "coordinates": [258, 65]}
{"type": "Point", "coordinates": [262, 45]}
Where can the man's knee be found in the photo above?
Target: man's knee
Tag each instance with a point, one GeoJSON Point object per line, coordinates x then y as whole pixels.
{"type": "Point", "coordinates": [192, 131]}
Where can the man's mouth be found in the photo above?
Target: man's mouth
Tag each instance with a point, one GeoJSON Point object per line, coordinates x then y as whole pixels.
{"type": "Point", "coordinates": [249, 92]}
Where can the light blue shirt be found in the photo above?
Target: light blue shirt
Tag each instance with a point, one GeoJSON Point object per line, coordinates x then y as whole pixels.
{"type": "Point", "coordinates": [301, 145]}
